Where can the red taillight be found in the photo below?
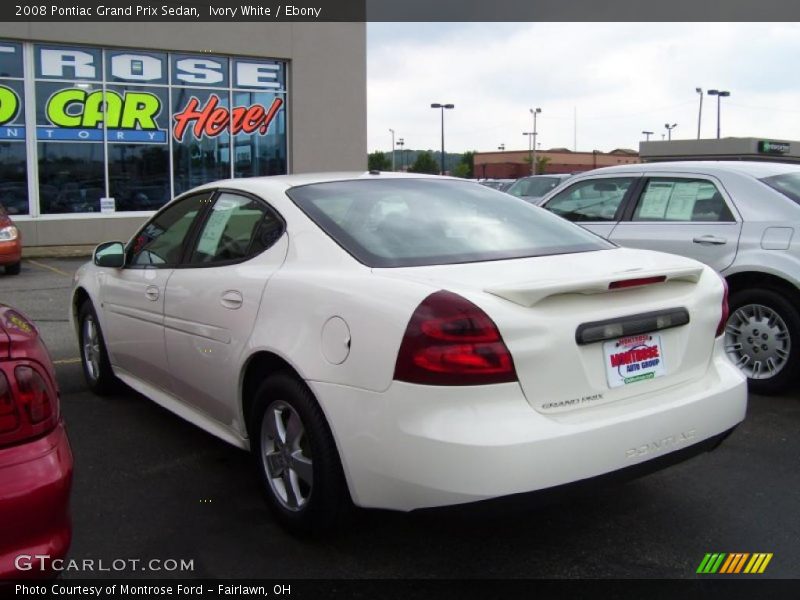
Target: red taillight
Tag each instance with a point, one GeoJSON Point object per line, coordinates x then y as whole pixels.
{"type": "Point", "coordinates": [450, 341]}
{"type": "Point", "coordinates": [725, 310]}
{"type": "Point", "coordinates": [9, 420]}
{"type": "Point", "coordinates": [33, 394]}
{"type": "Point", "coordinates": [626, 283]}
{"type": "Point", "coordinates": [28, 407]}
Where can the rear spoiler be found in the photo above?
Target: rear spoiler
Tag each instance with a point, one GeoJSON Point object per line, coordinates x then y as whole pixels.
{"type": "Point", "coordinates": [529, 294]}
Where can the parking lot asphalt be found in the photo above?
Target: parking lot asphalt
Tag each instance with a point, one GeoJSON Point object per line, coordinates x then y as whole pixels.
{"type": "Point", "coordinates": [151, 486]}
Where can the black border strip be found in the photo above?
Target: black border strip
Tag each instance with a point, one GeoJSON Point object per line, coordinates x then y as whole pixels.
{"type": "Point", "coordinates": [705, 587]}
{"type": "Point", "coordinates": [413, 11]}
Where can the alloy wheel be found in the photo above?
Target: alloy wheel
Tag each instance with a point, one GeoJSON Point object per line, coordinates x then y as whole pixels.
{"type": "Point", "coordinates": [286, 455]}
{"type": "Point", "coordinates": [757, 340]}
{"type": "Point", "coordinates": [91, 348]}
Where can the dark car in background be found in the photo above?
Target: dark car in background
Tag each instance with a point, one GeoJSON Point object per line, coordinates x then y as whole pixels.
{"type": "Point", "coordinates": [501, 185]}
{"type": "Point", "coordinates": [35, 455]}
{"type": "Point", "coordinates": [536, 186]}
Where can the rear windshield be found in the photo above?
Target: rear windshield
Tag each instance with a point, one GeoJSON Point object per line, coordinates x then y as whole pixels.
{"type": "Point", "coordinates": [413, 222]}
{"type": "Point", "coordinates": [535, 187]}
{"type": "Point", "coordinates": [787, 184]}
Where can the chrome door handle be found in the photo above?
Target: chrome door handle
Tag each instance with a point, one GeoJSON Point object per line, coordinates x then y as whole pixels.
{"type": "Point", "coordinates": [151, 293]}
{"type": "Point", "coordinates": [231, 299]}
{"type": "Point", "coordinates": [710, 239]}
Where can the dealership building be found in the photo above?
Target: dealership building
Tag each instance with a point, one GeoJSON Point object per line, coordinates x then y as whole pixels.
{"type": "Point", "coordinates": [730, 148]}
{"type": "Point", "coordinates": [102, 123]}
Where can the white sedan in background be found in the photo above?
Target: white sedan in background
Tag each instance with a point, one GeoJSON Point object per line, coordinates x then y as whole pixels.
{"type": "Point", "coordinates": [407, 341]}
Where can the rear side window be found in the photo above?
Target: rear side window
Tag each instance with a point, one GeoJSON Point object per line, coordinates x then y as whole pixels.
{"type": "Point", "coordinates": [677, 199]}
{"type": "Point", "coordinates": [237, 227]}
{"type": "Point", "coordinates": [591, 200]}
{"type": "Point", "coordinates": [787, 184]}
{"type": "Point", "coordinates": [395, 222]}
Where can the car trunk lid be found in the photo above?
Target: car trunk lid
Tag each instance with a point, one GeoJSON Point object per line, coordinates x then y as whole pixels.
{"type": "Point", "coordinates": [592, 328]}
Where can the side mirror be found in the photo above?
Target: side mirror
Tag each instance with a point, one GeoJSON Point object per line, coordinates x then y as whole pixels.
{"type": "Point", "coordinates": [110, 254]}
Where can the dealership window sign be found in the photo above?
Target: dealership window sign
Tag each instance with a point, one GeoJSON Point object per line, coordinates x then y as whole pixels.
{"type": "Point", "coordinates": [126, 129]}
{"type": "Point", "coordinates": [9, 112]}
{"type": "Point", "coordinates": [78, 115]}
{"type": "Point", "coordinates": [767, 147]}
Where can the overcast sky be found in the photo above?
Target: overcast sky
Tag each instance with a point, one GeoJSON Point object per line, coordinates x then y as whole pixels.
{"type": "Point", "coordinates": [620, 79]}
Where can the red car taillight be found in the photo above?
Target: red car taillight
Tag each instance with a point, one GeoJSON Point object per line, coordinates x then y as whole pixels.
{"type": "Point", "coordinates": [9, 420]}
{"type": "Point", "coordinates": [450, 341]}
{"type": "Point", "coordinates": [30, 410]}
{"type": "Point", "coordinates": [725, 310]}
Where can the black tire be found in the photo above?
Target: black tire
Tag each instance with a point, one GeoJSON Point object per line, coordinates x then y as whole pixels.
{"type": "Point", "coordinates": [14, 269]}
{"type": "Point", "coordinates": [321, 505]}
{"type": "Point", "coordinates": [99, 376]}
{"type": "Point", "coordinates": [763, 335]}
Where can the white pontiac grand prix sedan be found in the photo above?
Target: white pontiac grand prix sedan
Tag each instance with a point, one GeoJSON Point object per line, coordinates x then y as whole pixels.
{"type": "Point", "coordinates": [405, 342]}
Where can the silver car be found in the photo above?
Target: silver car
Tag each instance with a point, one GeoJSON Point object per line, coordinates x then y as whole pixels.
{"type": "Point", "coordinates": [741, 218]}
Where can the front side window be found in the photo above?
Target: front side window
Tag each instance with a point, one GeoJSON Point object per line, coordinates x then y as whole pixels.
{"type": "Point", "coordinates": [236, 228]}
{"type": "Point", "coordinates": [591, 200]}
{"type": "Point", "coordinates": [161, 241]}
{"type": "Point", "coordinates": [675, 199]}
{"type": "Point", "coordinates": [412, 222]}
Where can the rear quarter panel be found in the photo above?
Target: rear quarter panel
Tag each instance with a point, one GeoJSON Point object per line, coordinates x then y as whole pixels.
{"type": "Point", "coordinates": [298, 302]}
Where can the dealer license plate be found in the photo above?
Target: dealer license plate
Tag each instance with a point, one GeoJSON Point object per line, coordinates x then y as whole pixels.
{"type": "Point", "coordinates": [632, 359]}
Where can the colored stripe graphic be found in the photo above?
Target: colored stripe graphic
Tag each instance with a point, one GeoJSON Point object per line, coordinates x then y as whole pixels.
{"type": "Point", "coordinates": [759, 562]}
{"type": "Point", "coordinates": [711, 563]}
{"type": "Point", "coordinates": [741, 562]}
{"type": "Point", "coordinates": [733, 563]}
{"type": "Point", "coordinates": [732, 558]}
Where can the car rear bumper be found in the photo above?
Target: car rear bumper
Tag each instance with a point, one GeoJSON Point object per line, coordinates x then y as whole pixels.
{"type": "Point", "coordinates": [35, 482]}
{"type": "Point", "coordinates": [415, 446]}
{"type": "Point", "coordinates": [10, 252]}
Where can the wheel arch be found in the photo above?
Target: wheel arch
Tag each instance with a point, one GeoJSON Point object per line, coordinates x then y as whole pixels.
{"type": "Point", "coordinates": [258, 367]}
{"type": "Point", "coordinates": [261, 365]}
{"type": "Point", "coordinates": [79, 296]}
{"type": "Point", "coordinates": [757, 279]}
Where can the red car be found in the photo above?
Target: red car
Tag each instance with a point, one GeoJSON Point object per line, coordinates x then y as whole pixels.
{"type": "Point", "coordinates": [10, 244]}
{"type": "Point", "coordinates": [35, 456]}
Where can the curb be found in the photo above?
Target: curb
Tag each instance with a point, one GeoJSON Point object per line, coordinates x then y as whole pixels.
{"type": "Point", "coordinates": [57, 252]}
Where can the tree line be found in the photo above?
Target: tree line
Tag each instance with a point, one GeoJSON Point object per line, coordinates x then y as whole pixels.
{"type": "Point", "coordinates": [425, 163]}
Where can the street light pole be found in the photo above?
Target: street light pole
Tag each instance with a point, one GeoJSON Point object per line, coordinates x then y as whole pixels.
{"type": "Point", "coordinates": [669, 130]}
{"type": "Point", "coordinates": [392, 130]}
{"type": "Point", "coordinates": [720, 94]}
{"type": "Point", "coordinates": [700, 112]}
{"type": "Point", "coordinates": [401, 143]}
{"type": "Point", "coordinates": [530, 144]}
{"type": "Point", "coordinates": [647, 134]}
{"type": "Point", "coordinates": [534, 112]}
{"type": "Point", "coordinates": [442, 107]}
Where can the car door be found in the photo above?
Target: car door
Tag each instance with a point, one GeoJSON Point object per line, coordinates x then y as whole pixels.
{"type": "Point", "coordinates": [689, 215]}
{"type": "Point", "coordinates": [595, 203]}
{"type": "Point", "coordinates": [132, 298]}
{"type": "Point", "coordinates": [212, 300]}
